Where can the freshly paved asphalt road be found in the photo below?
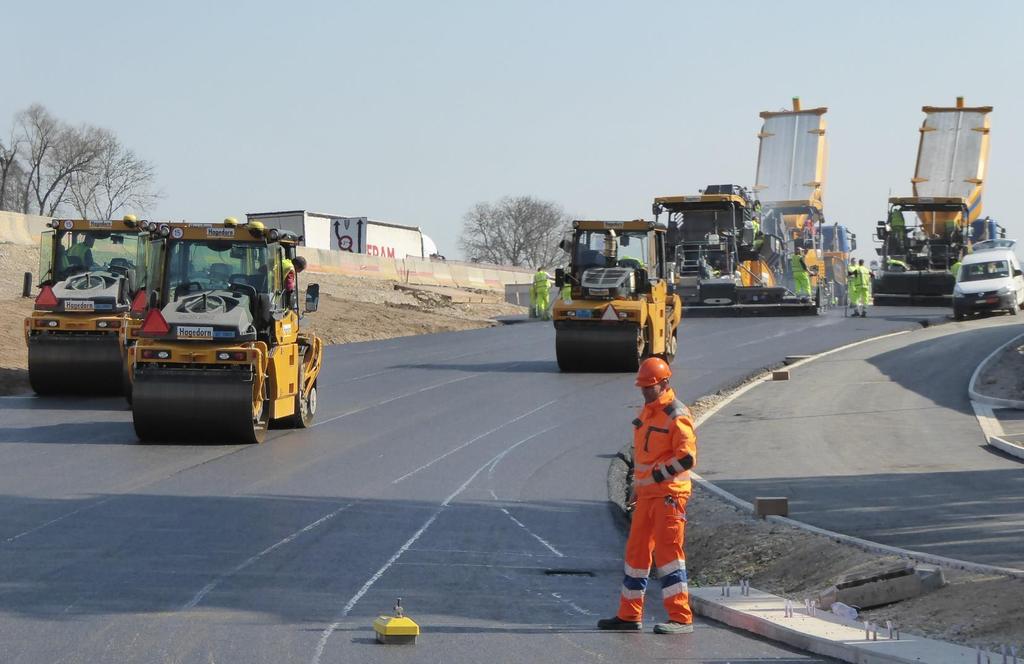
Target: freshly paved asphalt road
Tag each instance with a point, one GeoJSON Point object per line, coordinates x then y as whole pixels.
{"type": "Point", "coordinates": [458, 471]}
{"type": "Point", "coordinates": [880, 441]}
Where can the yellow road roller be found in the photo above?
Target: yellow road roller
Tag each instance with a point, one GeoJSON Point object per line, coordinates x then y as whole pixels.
{"type": "Point", "coordinates": [91, 276]}
{"type": "Point", "coordinates": [616, 301]}
{"type": "Point", "coordinates": [220, 354]}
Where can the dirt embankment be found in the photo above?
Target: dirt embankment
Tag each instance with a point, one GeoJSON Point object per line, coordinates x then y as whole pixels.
{"type": "Point", "coordinates": [351, 309]}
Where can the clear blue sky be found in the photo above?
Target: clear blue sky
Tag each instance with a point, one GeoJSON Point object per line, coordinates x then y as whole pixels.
{"type": "Point", "coordinates": [411, 112]}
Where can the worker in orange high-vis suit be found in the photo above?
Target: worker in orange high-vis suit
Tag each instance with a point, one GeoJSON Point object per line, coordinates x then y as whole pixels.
{"type": "Point", "coordinates": [664, 451]}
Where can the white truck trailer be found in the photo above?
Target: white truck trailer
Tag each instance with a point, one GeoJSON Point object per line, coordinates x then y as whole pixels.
{"type": "Point", "coordinates": [340, 233]}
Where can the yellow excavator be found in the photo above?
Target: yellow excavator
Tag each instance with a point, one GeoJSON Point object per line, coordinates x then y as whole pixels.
{"type": "Point", "coordinates": [621, 305]}
{"type": "Point", "coordinates": [91, 275]}
{"type": "Point", "coordinates": [220, 353]}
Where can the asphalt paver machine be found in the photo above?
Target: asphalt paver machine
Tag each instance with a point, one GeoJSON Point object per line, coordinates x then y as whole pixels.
{"type": "Point", "coordinates": [924, 235]}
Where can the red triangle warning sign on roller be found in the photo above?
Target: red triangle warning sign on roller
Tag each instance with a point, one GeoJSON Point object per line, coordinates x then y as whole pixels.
{"type": "Point", "coordinates": [609, 314]}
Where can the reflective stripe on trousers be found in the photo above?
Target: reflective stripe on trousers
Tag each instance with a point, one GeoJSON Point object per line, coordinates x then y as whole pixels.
{"type": "Point", "coordinates": [658, 531]}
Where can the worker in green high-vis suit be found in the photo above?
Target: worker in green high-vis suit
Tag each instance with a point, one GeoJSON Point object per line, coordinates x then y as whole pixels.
{"type": "Point", "coordinates": [801, 276]}
{"type": "Point", "coordinates": [540, 295]}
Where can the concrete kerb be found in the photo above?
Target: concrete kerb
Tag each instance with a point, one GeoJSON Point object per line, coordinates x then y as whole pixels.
{"type": "Point", "coordinates": [983, 398]}
{"type": "Point", "coordinates": [983, 405]}
{"type": "Point", "coordinates": [820, 632]}
{"type": "Point", "coordinates": [808, 637]}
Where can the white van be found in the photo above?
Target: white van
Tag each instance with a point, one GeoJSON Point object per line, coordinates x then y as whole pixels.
{"type": "Point", "coordinates": [989, 279]}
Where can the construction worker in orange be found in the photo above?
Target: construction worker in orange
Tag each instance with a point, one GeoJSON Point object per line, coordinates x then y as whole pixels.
{"type": "Point", "coordinates": [664, 451]}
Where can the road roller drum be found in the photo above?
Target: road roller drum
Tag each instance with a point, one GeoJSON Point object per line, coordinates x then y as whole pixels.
{"type": "Point", "coordinates": [75, 364]}
{"type": "Point", "coordinates": [196, 405]}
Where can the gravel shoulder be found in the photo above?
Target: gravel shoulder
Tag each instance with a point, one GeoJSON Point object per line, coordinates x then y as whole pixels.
{"type": "Point", "coordinates": [351, 309]}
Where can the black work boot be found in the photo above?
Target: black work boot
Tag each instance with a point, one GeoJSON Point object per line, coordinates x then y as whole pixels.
{"type": "Point", "coordinates": [619, 625]}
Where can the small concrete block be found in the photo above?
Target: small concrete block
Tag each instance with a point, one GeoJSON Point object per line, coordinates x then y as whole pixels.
{"type": "Point", "coordinates": [766, 506]}
{"type": "Point", "coordinates": [931, 577]}
{"type": "Point", "coordinates": [780, 374]}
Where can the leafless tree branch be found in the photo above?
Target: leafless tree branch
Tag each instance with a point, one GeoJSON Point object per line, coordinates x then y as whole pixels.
{"type": "Point", "coordinates": [521, 231]}
{"type": "Point", "coordinates": [48, 165]}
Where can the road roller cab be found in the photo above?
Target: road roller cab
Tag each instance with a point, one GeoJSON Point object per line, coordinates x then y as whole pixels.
{"type": "Point", "coordinates": [220, 353]}
{"type": "Point", "coordinates": [621, 307]}
{"type": "Point", "coordinates": [90, 271]}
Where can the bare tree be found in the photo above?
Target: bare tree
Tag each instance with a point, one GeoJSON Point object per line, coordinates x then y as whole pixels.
{"type": "Point", "coordinates": [520, 231]}
{"type": "Point", "coordinates": [11, 174]}
{"type": "Point", "coordinates": [118, 179]}
{"type": "Point", "coordinates": [52, 154]}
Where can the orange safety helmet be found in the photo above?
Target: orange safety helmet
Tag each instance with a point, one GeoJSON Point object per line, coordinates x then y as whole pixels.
{"type": "Point", "coordinates": [652, 371]}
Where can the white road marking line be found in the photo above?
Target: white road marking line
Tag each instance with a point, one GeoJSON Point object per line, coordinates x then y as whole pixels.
{"type": "Point", "coordinates": [575, 607]}
{"type": "Point", "coordinates": [58, 519]}
{"type": "Point", "coordinates": [408, 543]}
{"type": "Point", "coordinates": [471, 441]}
{"type": "Point", "coordinates": [530, 532]}
{"type": "Point", "coordinates": [375, 404]}
{"type": "Point", "coordinates": [533, 534]}
{"type": "Point", "coordinates": [198, 597]}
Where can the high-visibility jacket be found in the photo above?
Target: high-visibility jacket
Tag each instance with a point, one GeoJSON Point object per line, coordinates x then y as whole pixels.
{"type": "Point", "coordinates": [954, 269]}
{"type": "Point", "coordinates": [664, 448]}
{"type": "Point", "coordinates": [796, 262]}
{"type": "Point", "coordinates": [541, 287]}
{"type": "Point", "coordinates": [859, 278]}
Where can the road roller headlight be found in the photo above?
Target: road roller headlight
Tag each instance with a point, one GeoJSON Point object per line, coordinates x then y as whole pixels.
{"type": "Point", "coordinates": [165, 231]}
{"type": "Point", "coordinates": [227, 356]}
{"type": "Point", "coordinates": [46, 323]}
{"type": "Point", "coordinates": [153, 354]}
{"type": "Point", "coordinates": [273, 234]}
{"type": "Point", "coordinates": [54, 224]}
{"type": "Point", "coordinates": [102, 324]}
{"type": "Point", "coordinates": [108, 324]}
{"type": "Point", "coordinates": [570, 313]}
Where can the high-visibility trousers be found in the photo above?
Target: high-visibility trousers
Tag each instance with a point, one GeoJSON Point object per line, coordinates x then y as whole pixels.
{"type": "Point", "coordinates": [858, 296]}
{"type": "Point", "coordinates": [802, 283]}
{"type": "Point", "coordinates": [541, 302]}
{"type": "Point", "coordinates": [658, 526]}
